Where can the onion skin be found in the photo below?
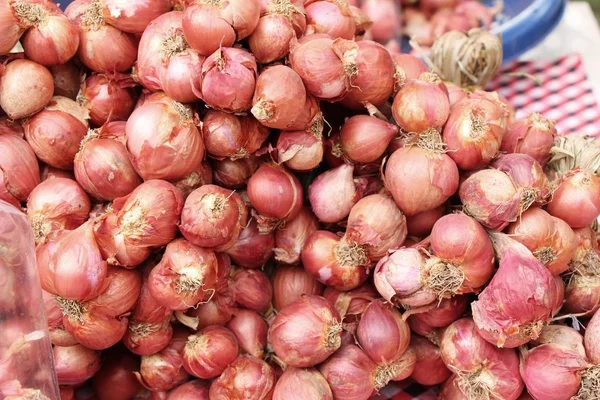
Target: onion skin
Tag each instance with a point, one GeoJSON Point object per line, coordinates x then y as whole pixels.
{"type": "Point", "coordinates": [380, 231]}
{"type": "Point", "coordinates": [290, 283]}
{"type": "Point", "coordinates": [271, 39]}
{"type": "Point", "coordinates": [229, 80]}
{"type": "Point", "coordinates": [56, 205]}
{"type": "Point", "coordinates": [108, 97]}
{"type": "Point", "coordinates": [436, 173]}
{"type": "Point", "coordinates": [382, 333]}
{"type": "Point", "coordinates": [334, 193]}
{"type": "Point", "coordinates": [116, 380]}
{"type": "Point", "coordinates": [519, 299]}
{"type": "Point", "coordinates": [551, 360]}
{"type": "Point", "coordinates": [420, 225]}
{"type": "Point", "coordinates": [474, 132]}
{"type": "Point", "coordinates": [527, 174]}
{"type": "Point", "coordinates": [75, 364]}
{"type": "Point", "coordinates": [579, 190]}
{"type": "Point", "coordinates": [592, 345]}
{"type": "Point", "coordinates": [533, 136]}
{"type": "Point", "coordinates": [350, 373]}
{"type": "Point", "coordinates": [352, 304]}
{"type": "Point", "coordinates": [550, 239]}
{"type": "Point", "coordinates": [276, 194]}
{"type": "Point", "coordinates": [186, 275]}
{"type": "Point", "coordinates": [192, 390]}
{"type": "Point", "coordinates": [234, 174]}
{"type": "Point", "coordinates": [133, 17]}
{"type": "Point", "coordinates": [364, 138]}
{"type": "Point", "coordinates": [300, 151]}
{"type": "Point", "coordinates": [209, 352]}
{"type": "Point", "coordinates": [385, 15]}
{"type": "Point", "coordinates": [290, 238]}
{"type": "Point", "coordinates": [201, 176]}
{"type": "Point", "coordinates": [335, 262]}
{"type": "Point", "coordinates": [225, 135]}
{"type": "Point", "coordinates": [279, 90]}
{"type": "Point", "coordinates": [422, 104]}
{"type": "Point", "coordinates": [462, 348]}
{"type": "Point", "coordinates": [251, 332]}
{"type": "Point", "coordinates": [164, 141]}
{"type": "Point", "coordinates": [445, 313]}
{"type": "Point", "coordinates": [251, 289]}
{"type": "Point", "coordinates": [247, 378]}
{"type": "Point", "coordinates": [330, 17]}
{"type": "Point", "coordinates": [491, 197]}
{"type": "Point", "coordinates": [305, 383]}
{"type": "Point", "coordinates": [429, 369]}
{"type": "Point", "coordinates": [306, 332]}
{"type": "Point", "coordinates": [11, 29]}
{"type": "Point", "coordinates": [409, 67]}
{"type": "Point", "coordinates": [19, 168]}
{"type": "Point", "coordinates": [563, 336]}
{"type": "Point", "coordinates": [252, 249]}
{"type": "Point", "coordinates": [20, 80]}
{"type": "Point", "coordinates": [374, 81]}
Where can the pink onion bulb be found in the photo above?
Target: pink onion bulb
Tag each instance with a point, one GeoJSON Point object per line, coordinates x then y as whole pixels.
{"type": "Point", "coordinates": [330, 17]}
{"type": "Point", "coordinates": [247, 377]}
{"type": "Point", "coordinates": [578, 190]}
{"type": "Point", "coordinates": [306, 383]}
{"type": "Point", "coordinates": [430, 368]}
{"type": "Point", "coordinates": [290, 239]}
{"type": "Point", "coordinates": [209, 352]}
{"type": "Point", "coordinates": [350, 373]}
{"type": "Point", "coordinates": [533, 136]}
{"type": "Point", "coordinates": [19, 167]}
{"type": "Point", "coordinates": [133, 16]}
{"type": "Point", "coordinates": [526, 174]}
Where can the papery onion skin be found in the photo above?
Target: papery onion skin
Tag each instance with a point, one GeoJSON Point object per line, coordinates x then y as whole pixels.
{"type": "Point", "coordinates": [292, 282]}
{"type": "Point", "coordinates": [306, 332]}
{"type": "Point", "coordinates": [430, 369]}
{"type": "Point", "coordinates": [526, 173]}
{"type": "Point", "coordinates": [234, 174]}
{"type": "Point", "coordinates": [11, 29]}
{"type": "Point", "coordinates": [213, 217]}
{"type": "Point", "coordinates": [251, 332]}
{"type": "Point", "coordinates": [330, 17]}
{"type": "Point", "coordinates": [185, 276]}
{"type": "Point", "coordinates": [579, 191]}
{"type": "Point", "coordinates": [201, 176]}
{"type": "Point", "coordinates": [164, 370]}
{"type": "Point", "coordinates": [75, 364]}
{"type": "Point", "coordinates": [550, 239]}
{"type": "Point", "coordinates": [455, 93]}
{"type": "Point", "coordinates": [218, 311]}
{"type": "Point", "coordinates": [445, 313]}
{"type": "Point", "coordinates": [374, 81]}
{"type": "Point", "coordinates": [552, 372]}
{"type": "Point", "coordinates": [164, 141]}
{"type": "Point", "coordinates": [420, 225]}
{"type": "Point", "coordinates": [252, 249]}
{"type": "Point", "coordinates": [299, 150]}
{"type": "Point", "coordinates": [26, 88]}
{"type": "Point", "coordinates": [55, 205]}
{"type": "Point", "coordinates": [279, 91]}
{"type": "Point", "coordinates": [533, 136]}
{"type": "Point", "coordinates": [333, 194]}
{"type": "Point", "coordinates": [192, 390]}
{"type": "Point", "coordinates": [382, 333]}
{"type": "Point", "coordinates": [436, 173]}
{"type": "Point", "coordinates": [491, 197]}
{"type": "Point", "coordinates": [67, 80]}
{"type": "Point", "coordinates": [408, 67]}
{"type": "Point", "coordinates": [19, 168]}
{"type": "Point", "coordinates": [224, 135]}
{"type": "Point", "coordinates": [229, 80]}
{"type": "Point", "coordinates": [474, 132]}
{"type": "Point", "coordinates": [271, 39]}
{"type": "Point", "coordinates": [115, 380]}
{"type": "Point", "coordinates": [350, 373]}
{"type": "Point", "coordinates": [563, 336]}
{"type": "Point", "coordinates": [306, 383]}
{"type": "Point", "coordinates": [276, 194]}
{"type": "Point", "coordinates": [133, 17]}
{"type": "Point", "coordinates": [252, 289]}
{"type": "Point", "coordinates": [335, 262]}
{"type": "Point", "coordinates": [209, 352]}
{"type": "Point", "coordinates": [592, 344]}
{"type": "Point", "coordinates": [364, 138]}
{"type": "Point", "coordinates": [422, 104]}
{"type": "Point", "coordinates": [108, 97]}
{"type": "Point", "coordinates": [247, 377]}
{"type": "Point", "coordinates": [144, 338]}
{"type": "Point", "coordinates": [352, 304]}
{"type": "Point", "coordinates": [290, 238]}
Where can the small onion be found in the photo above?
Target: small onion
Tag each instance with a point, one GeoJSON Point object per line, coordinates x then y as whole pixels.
{"type": "Point", "coordinates": [115, 380]}
{"type": "Point", "coordinates": [306, 332]}
{"type": "Point", "coordinates": [209, 352]}
{"type": "Point", "coordinates": [331, 17]}
{"type": "Point", "coordinates": [251, 331]}
{"type": "Point", "coordinates": [300, 151]}
{"type": "Point", "coordinates": [201, 176]}
{"type": "Point", "coordinates": [108, 97]}
{"type": "Point", "coordinates": [305, 383]}
{"type": "Point", "coordinates": [474, 132]}
{"type": "Point", "coordinates": [251, 289]}
{"type": "Point", "coordinates": [385, 15]}
{"type": "Point", "coordinates": [407, 68]}
{"type": "Point", "coordinates": [25, 88]}
{"type": "Point", "coordinates": [164, 141]}
{"type": "Point", "coordinates": [290, 283]}
{"type": "Point", "coordinates": [420, 225]}
{"type": "Point", "coordinates": [213, 217]}
{"type": "Point", "coordinates": [379, 231]}
{"type": "Point", "coordinates": [429, 369]}
{"type": "Point", "coordinates": [191, 390]}
{"type": "Point", "coordinates": [533, 136]}
{"type": "Point", "coordinates": [252, 249]}
{"type": "Point", "coordinates": [133, 16]}
{"type": "Point", "coordinates": [209, 25]}
{"type": "Point", "coordinates": [246, 378]}
{"type": "Point", "coordinates": [218, 311]}
{"type": "Point", "coordinates": [275, 31]}
{"type": "Point", "coordinates": [279, 90]}
{"type": "Point", "coordinates": [276, 195]}
{"type": "Point", "coordinates": [228, 136]}
{"type": "Point", "coordinates": [578, 190]}
{"type": "Point", "coordinates": [102, 47]}
{"type": "Point", "coordinates": [234, 174]}
{"type": "Point", "coordinates": [333, 193]}
{"type": "Point", "coordinates": [290, 238]}
{"type": "Point", "coordinates": [350, 373]}
{"type": "Point", "coordinates": [527, 174]}
{"type": "Point", "coordinates": [364, 138]}
{"type": "Point", "coordinates": [582, 292]}
{"type": "Point", "coordinates": [67, 80]}
{"type": "Point", "coordinates": [19, 168]}
{"type": "Point", "coordinates": [56, 204]}
{"type": "Point", "coordinates": [446, 312]}
{"type": "Point", "coordinates": [352, 304]}
{"type": "Point", "coordinates": [550, 239]}
{"type": "Point", "coordinates": [335, 262]}
{"type": "Point", "coordinates": [11, 29]}
{"type": "Point", "coordinates": [75, 364]}
{"type": "Point", "coordinates": [420, 179]}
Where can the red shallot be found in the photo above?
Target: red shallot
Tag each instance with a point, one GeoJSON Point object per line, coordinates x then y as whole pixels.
{"type": "Point", "coordinates": [251, 331]}
{"type": "Point", "coordinates": [304, 383]}
{"type": "Point", "coordinates": [25, 88]}
{"type": "Point", "coordinates": [251, 289]}
{"type": "Point", "coordinates": [533, 136]}
{"type": "Point", "coordinates": [246, 378]}
{"type": "Point", "coordinates": [133, 16]}
{"type": "Point", "coordinates": [234, 174]}
{"type": "Point", "coordinates": [108, 97]}
{"type": "Point", "coordinates": [577, 190]}
{"type": "Point", "coordinates": [207, 353]}
{"type": "Point", "coordinates": [19, 168]}
{"type": "Point", "coordinates": [331, 17]}
{"type": "Point", "coordinates": [67, 80]}
{"type": "Point", "coordinates": [115, 380]}
{"type": "Point", "coordinates": [75, 364]}
{"type": "Point", "coordinates": [290, 283]}
{"type": "Point", "coordinates": [350, 373]}
{"type": "Point", "coordinates": [364, 138]}
{"type": "Point", "coordinates": [191, 390]}
{"type": "Point", "coordinates": [299, 150]}
{"type": "Point", "coordinates": [290, 238]}
{"type": "Point", "coordinates": [420, 225]}
{"type": "Point", "coordinates": [429, 368]}
{"type": "Point", "coordinates": [527, 174]}
{"type": "Point", "coordinates": [252, 249]}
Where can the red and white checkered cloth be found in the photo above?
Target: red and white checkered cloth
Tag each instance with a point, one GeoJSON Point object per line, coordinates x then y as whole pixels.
{"type": "Point", "coordinates": [564, 95]}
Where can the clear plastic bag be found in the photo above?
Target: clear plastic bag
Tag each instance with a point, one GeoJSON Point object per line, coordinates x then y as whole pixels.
{"type": "Point", "coordinates": [26, 365]}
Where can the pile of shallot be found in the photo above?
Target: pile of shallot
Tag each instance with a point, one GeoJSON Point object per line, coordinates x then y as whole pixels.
{"type": "Point", "coordinates": [250, 199]}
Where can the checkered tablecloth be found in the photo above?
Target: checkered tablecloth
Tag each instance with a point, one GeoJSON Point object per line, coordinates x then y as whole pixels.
{"type": "Point", "coordinates": [561, 92]}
